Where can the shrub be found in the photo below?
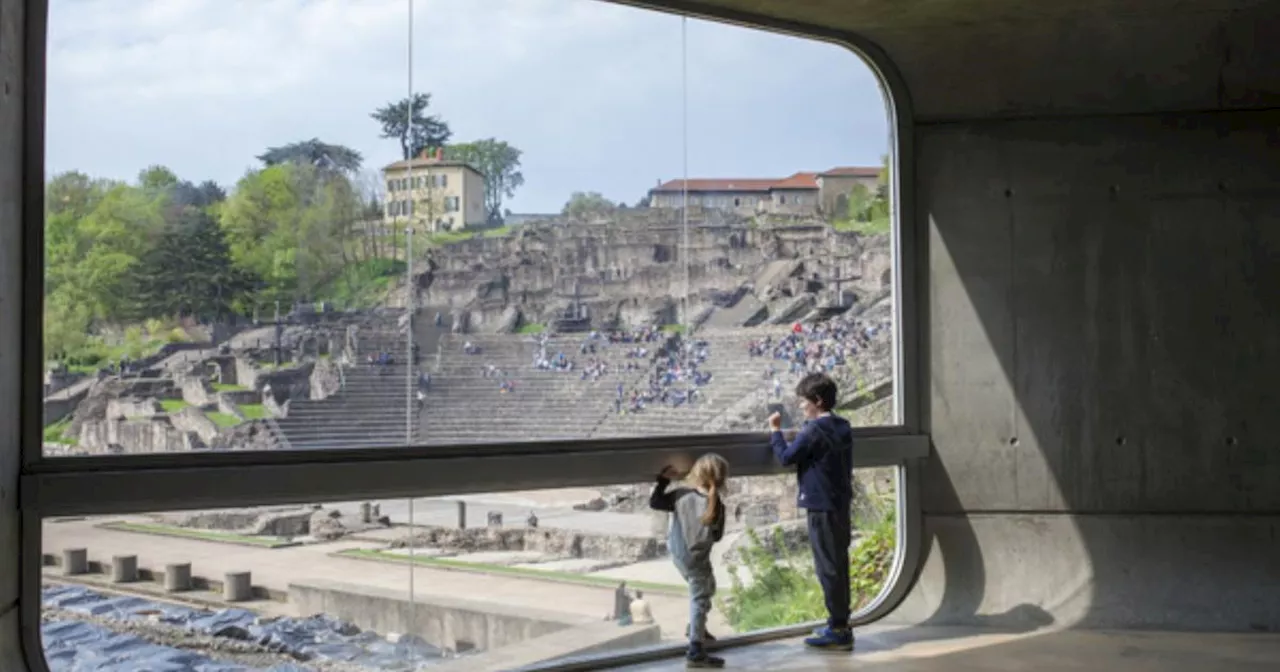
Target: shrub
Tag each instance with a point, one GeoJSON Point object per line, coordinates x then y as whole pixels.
{"type": "Point", "coordinates": [784, 589]}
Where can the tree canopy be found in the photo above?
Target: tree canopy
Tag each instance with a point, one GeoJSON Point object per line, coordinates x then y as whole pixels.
{"type": "Point", "coordinates": [428, 131]}
{"type": "Point", "coordinates": [314, 153]}
{"type": "Point", "coordinates": [499, 162]}
{"type": "Point", "coordinates": [583, 204]}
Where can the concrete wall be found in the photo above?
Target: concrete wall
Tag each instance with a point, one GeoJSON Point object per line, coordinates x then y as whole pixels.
{"type": "Point", "coordinates": [1101, 357]}
{"type": "Point", "coordinates": [446, 623]}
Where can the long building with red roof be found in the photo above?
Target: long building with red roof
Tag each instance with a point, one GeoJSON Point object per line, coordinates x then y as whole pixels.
{"type": "Point", "coordinates": [801, 193]}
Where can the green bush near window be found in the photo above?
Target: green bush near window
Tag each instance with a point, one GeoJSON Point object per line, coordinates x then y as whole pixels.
{"type": "Point", "coordinates": [783, 589]}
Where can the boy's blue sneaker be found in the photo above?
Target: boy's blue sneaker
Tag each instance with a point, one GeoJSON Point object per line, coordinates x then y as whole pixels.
{"type": "Point", "coordinates": [828, 639]}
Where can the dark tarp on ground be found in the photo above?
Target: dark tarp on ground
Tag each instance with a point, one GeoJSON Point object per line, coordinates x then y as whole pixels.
{"type": "Point", "coordinates": [75, 646]}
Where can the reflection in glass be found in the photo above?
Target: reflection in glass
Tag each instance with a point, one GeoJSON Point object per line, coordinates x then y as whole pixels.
{"type": "Point", "coordinates": [657, 244]}
{"type": "Point", "coordinates": [520, 576]}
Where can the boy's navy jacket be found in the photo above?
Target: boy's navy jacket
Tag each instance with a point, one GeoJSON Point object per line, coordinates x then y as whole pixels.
{"type": "Point", "coordinates": [822, 453]}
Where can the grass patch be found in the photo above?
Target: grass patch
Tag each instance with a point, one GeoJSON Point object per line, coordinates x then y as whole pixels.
{"type": "Point", "coordinates": [874, 227]}
{"type": "Point", "coordinates": [519, 572]}
{"type": "Point", "coordinates": [223, 420]}
{"type": "Point", "coordinates": [534, 328]}
{"type": "Point", "coordinates": [254, 411]}
{"type": "Point", "coordinates": [227, 387]}
{"type": "Point", "coordinates": [362, 284]}
{"type": "Point", "coordinates": [674, 329]}
{"type": "Point", "coordinates": [57, 433]}
{"type": "Point", "coordinates": [173, 405]}
{"type": "Point", "coordinates": [500, 232]}
{"type": "Point", "coordinates": [447, 238]}
{"type": "Point", "coordinates": [201, 535]}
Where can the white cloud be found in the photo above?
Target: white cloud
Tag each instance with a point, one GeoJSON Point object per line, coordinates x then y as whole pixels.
{"type": "Point", "coordinates": [590, 91]}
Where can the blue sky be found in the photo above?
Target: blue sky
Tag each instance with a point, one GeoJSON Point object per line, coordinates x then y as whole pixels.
{"type": "Point", "coordinates": [590, 91]}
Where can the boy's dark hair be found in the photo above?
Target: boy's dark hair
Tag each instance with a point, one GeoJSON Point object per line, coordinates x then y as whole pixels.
{"type": "Point", "coordinates": [819, 389]}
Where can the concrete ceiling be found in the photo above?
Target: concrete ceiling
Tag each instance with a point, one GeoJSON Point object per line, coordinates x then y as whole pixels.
{"type": "Point", "coordinates": [1011, 58]}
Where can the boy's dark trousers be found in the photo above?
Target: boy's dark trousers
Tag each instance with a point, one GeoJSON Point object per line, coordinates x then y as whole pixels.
{"type": "Point", "coordinates": [829, 537]}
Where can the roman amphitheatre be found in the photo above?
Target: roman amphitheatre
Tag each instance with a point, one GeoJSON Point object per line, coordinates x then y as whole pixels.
{"type": "Point", "coordinates": [629, 324]}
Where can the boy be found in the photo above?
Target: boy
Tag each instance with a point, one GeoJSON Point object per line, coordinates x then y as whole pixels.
{"type": "Point", "coordinates": [822, 452]}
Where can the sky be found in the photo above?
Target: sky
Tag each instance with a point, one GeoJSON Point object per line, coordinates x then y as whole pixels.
{"type": "Point", "coordinates": [590, 91]}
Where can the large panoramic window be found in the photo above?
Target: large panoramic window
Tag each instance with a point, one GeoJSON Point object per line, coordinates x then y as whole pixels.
{"type": "Point", "coordinates": [484, 225]}
{"type": "Point", "coordinates": [518, 268]}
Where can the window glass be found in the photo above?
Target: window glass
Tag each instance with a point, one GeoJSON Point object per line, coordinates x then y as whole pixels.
{"type": "Point", "coordinates": [499, 580]}
{"type": "Point", "coordinates": [232, 262]}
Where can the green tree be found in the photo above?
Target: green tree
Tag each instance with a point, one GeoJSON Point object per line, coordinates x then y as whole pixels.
{"type": "Point", "coordinates": [290, 225]}
{"type": "Point", "coordinates": [499, 162]}
{"type": "Point", "coordinates": [428, 131]}
{"type": "Point", "coordinates": [189, 272]}
{"type": "Point", "coordinates": [588, 204]}
{"type": "Point", "coordinates": [315, 153]}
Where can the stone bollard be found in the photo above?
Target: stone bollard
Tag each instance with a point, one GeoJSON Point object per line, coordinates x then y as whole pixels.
{"type": "Point", "coordinates": [495, 519]}
{"type": "Point", "coordinates": [462, 515]}
{"type": "Point", "coordinates": [177, 577]}
{"type": "Point", "coordinates": [366, 513]}
{"type": "Point", "coordinates": [237, 587]}
{"type": "Point", "coordinates": [75, 561]}
{"type": "Point", "coordinates": [124, 569]}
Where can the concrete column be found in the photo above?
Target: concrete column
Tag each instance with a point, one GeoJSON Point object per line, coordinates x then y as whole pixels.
{"type": "Point", "coordinates": [462, 515]}
{"type": "Point", "coordinates": [75, 561]}
{"type": "Point", "coordinates": [237, 587]}
{"type": "Point", "coordinates": [124, 569]}
{"type": "Point", "coordinates": [177, 577]}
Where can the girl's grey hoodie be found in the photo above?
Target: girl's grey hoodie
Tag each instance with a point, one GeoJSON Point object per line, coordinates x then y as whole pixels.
{"type": "Point", "coordinates": [690, 540]}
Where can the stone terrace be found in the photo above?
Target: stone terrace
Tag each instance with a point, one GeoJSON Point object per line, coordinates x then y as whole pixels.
{"type": "Point", "coordinates": [465, 406]}
{"type": "Point", "coordinates": [370, 408]}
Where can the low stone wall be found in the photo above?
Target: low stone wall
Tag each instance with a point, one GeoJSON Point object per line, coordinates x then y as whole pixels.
{"type": "Point", "coordinates": [130, 407]}
{"type": "Point", "coordinates": [585, 640]}
{"type": "Point", "coordinates": [191, 419]}
{"type": "Point", "coordinates": [281, 522]}
{"type": "Point", "coordinates": [134, 436]}
{"type": "Point", "coordinates": [196, 391]}
{"type": "Point", "coordinates": [559, 542]}
{"type": "Point", "coordinates": [448, 623]}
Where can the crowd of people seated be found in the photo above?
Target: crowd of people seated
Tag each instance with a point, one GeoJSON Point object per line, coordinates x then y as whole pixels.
{"type": "Point", "coordinates": [813, 348]}
{"type": "Point", "coordinates": [674, 381]}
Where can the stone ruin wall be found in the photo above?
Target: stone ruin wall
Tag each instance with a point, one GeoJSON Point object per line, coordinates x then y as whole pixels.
{"type": "Point", "coordinates": [628, 268]}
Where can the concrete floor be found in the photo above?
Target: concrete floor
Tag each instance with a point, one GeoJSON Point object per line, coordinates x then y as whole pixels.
{"type": "Point", "coordinates": [926, 649]}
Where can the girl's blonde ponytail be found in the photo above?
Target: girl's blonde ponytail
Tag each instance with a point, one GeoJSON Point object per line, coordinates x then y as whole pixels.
{"type": "Point", "coordinates": [713, 503]}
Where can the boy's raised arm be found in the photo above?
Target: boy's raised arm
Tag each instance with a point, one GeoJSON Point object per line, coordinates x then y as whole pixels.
{"type": "Point", "coordinates": [798, 449]}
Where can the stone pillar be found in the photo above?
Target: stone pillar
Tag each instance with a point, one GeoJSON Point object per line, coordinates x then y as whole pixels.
{"type": "Point", "coordinates": [366, 513]}
{"type": "Point", "coordinates": [237, 587]}
{"type": "Point", "coordinates": [462, 515]}
{"type": "Point", "coordinates": [75, 561]}
{"type": "Point", "coordinates": [124, 569]}
{"type": "Point", "coordinates": [177, 577]}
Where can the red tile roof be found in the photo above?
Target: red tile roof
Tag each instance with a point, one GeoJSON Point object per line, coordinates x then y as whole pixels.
{"type": "Point", "coordinates": [798, 181]}
{"type": "Point", "coordinates": [755, 185]}
{"type": "Point", "coordinates": [717, 185]}
{"type": "Point", "coordinates": [852, 171]}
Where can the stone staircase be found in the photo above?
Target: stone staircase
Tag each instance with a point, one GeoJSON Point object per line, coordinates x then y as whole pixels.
{"type": "Point", "coordinates": [734, 376]}
{"type": "Point", "coordinates": [375, 406]}
{"type": "Point", "coordinates": [465, 406]}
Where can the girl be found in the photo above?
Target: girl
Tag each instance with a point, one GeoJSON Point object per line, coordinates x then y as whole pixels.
{"type": "Point", "coordinates": [697, 523]}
